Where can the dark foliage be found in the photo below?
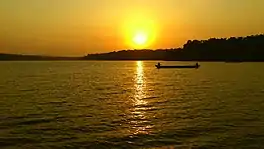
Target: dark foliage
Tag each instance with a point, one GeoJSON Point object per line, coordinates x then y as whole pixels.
{"type": "Point", "coordinates": [234, 49]}
{"type": "Point", "coordinates": [250, 48]}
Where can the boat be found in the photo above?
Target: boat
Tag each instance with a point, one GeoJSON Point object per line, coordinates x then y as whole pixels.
{"type": "Point", "coordinates": [196, 66]}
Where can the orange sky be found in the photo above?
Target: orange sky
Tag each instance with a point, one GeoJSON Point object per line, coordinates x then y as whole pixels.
{"type": "Point", "coordinates": [78, 27]}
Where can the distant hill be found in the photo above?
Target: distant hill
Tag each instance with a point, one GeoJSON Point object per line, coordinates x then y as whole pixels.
{"type": "Point", "coordinates": [17, 57]}
{"type": "Point", "coordinates": [233, 49]}
{"type": "Point", "coordinates": [250, 48]}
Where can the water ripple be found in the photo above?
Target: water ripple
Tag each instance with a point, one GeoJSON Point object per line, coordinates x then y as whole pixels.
{"type": "Point", "coordinates": [130, 105]}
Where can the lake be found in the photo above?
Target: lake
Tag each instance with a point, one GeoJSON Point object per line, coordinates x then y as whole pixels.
{"type": "Point", "coordinates": [131, 104]}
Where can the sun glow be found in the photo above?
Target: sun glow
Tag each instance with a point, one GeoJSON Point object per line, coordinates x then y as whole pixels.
{"type": "Point", "coordinates": [140, 38]}
{"type": "Point", "coordinates": [139, 32]}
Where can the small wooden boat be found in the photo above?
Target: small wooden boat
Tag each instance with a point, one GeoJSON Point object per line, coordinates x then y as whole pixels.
{"type": "Point", "coordinates": [184, 66]}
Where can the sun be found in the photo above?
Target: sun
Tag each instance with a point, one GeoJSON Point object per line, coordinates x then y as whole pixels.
{"type": "Point", "coordinates": [140, 39]}
{"type": "Point", "coordinates": [139, 32]}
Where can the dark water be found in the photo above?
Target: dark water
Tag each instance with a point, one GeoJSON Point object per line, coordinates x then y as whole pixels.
{"type": "Point", "coordinates": [131, 105]}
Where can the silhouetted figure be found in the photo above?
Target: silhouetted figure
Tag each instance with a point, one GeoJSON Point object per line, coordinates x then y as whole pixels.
{"type": "Point", "coordinates": [158, 64]}
{"type": "Point", "coordinates": [197, 65]}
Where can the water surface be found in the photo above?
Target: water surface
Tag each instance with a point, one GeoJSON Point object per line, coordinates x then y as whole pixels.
{"type": "Point", "coordinates": [131, 105]}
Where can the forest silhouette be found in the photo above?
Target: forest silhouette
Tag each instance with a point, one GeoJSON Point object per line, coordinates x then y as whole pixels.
{"type": "Point", "coordinates": [250, 48]}
{"type": "Point", "coordinates": [233, 49]}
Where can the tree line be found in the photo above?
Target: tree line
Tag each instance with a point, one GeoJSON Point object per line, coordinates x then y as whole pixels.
{"type": "Point", "coordinates": [249, 48]}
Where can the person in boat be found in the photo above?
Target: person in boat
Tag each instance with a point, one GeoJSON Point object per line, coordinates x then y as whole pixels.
{"type": "Point", "coordinates": [158, 64]}
{"type": "Point", "coordinates": [197, 65]}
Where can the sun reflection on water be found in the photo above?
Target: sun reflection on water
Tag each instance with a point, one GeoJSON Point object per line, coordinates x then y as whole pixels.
{"type": "Point", "coordinates": [139, 84]}
{"type": "Point", "coordinates": [140, 120]}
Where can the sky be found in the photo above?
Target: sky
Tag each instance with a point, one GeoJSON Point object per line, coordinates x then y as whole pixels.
{"type": "Point", "coordinates": [79, 27]}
